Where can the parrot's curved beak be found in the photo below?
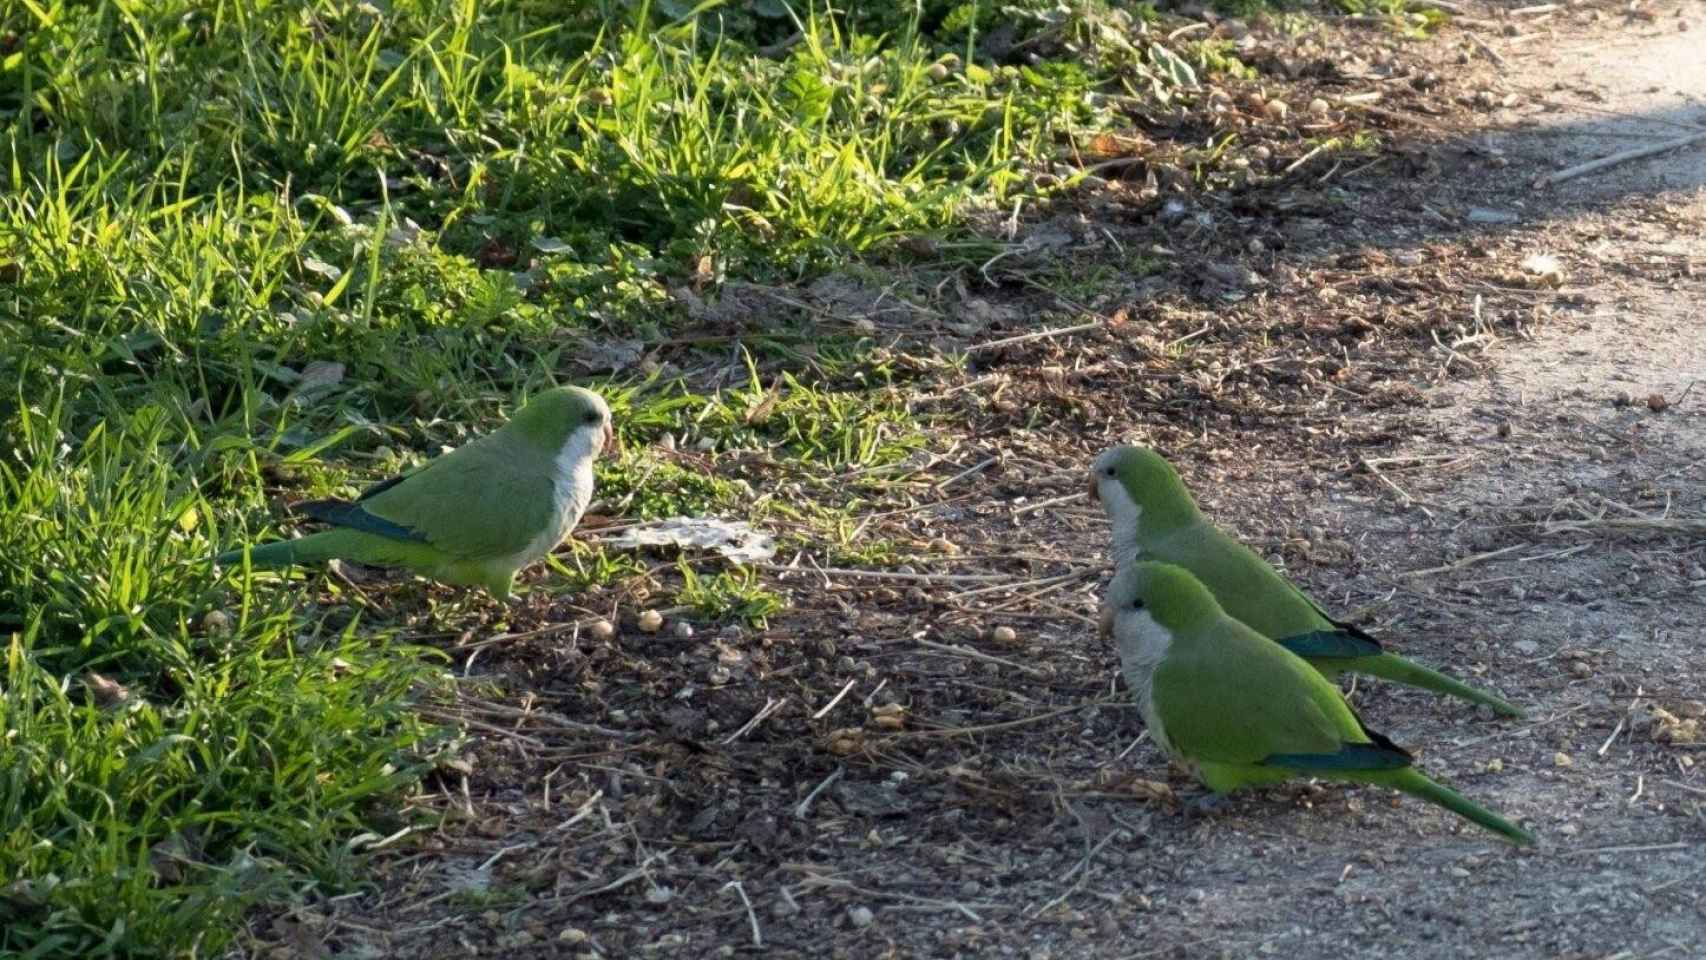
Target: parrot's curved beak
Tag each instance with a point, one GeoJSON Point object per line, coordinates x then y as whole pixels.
{"type": "Point", "coordinates": [612, 442]}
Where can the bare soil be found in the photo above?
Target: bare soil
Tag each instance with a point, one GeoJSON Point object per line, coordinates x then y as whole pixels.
{"type": "Point", "coordinates": [1496, 466]}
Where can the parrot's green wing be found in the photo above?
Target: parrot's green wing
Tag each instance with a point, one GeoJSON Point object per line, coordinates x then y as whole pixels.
{"type": "Point", "coordinates": [1281, 713]}
{"type": "Point", "coordinates": [1240, 699]}
{"type": "Point", "coordinates": [1247, 587]}
{"type": "Point", "coordinates": [489, 498]}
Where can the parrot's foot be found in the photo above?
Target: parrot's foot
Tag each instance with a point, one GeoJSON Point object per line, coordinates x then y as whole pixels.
{"type": "Point", "coordinates": [1203, 806]}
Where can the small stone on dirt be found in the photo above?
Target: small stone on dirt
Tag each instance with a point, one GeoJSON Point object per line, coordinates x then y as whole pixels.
{"type": "Point", "coordinates": [216, 623]}
{"type": "Point", "coordinates": [860, 917]}
{"type": "Point", "coordinates": [1004, 635]}
{"type": "Point", "coordinates": [600, 630]}
{"type": "Point", "coordinates": [651, 621]}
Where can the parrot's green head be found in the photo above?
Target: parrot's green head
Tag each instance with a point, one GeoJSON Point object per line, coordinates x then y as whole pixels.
{"type": "Point", "coordinates": [1156, 592]}
{"type": "Point", "coordinates": [1140, 491]}
{"type": "Point", "coordinates": [566, 419]}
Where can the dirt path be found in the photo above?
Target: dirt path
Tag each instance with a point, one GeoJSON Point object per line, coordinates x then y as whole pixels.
{"type": "Point", "coordinates": [1549, 487]}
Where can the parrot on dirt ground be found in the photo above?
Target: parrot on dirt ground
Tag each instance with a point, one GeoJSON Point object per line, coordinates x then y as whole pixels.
{"type": "Point", "coordinates": [474, 516]}
{"type": "Point", "coordinates": [1154, 518]}
{"type": "Point", "coordinates": [1240, 710]}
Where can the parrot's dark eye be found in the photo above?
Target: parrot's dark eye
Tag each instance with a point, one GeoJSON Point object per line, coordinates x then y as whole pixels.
{"type": "Point", "coordinates": [592, 416]}
{"type": "Point", "coordinates": [1109, 471]}
{"type": "Point", "coordinates": [1137, 604]}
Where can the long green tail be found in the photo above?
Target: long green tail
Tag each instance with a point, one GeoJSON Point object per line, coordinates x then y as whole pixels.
{"type": "Point", "coordinates": [315, 548]}
{"type": "Point", "coordinates": [1416, 784]}
{"type": "Point", "coordinates": [1392, 667]}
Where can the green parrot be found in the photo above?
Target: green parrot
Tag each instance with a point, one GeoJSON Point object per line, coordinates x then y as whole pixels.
{"type": "Point", "coordinates": [1242, 711]}
{"type": "Point", "coordinates": [474, 516]}
{"type": "Point", "coordinates": [1154, 518]}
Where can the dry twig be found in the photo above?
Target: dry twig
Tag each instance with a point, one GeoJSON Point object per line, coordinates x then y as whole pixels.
{"type": "Point", "coordinates": [1634, 153]}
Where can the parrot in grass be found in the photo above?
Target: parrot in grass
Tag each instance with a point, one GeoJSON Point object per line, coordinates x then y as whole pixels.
{"type": "Point", "coordinates": [1154, 518]}
{"type": "Point", "coordinates": [474, 516]}
{"type": "Point", "coordinates": [1240, 710]}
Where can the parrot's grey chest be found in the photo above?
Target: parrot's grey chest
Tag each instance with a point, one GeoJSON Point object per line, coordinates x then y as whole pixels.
{"type": "Point", "coordinates": [1143, 646]}
{"type": "Point", "coordinates": [571, 492]}
{"type": "Point", "coordinates": [1124, 517]}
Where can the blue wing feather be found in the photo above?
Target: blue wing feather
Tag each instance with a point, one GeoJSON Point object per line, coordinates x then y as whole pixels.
{"type": "Point", "coordinates": [1332, 643]}
{"type": "Point", "coordinates": [343, 513]}
{"type": "Point", "coordinates": [1351, 756]}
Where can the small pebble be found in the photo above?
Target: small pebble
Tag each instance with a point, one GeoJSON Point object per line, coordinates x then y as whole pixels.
{"type": "Point", "coordinates": [860, 917]}
{"type": "Point", "coordinates": [1495, 765]}
{"type": "Point", "coordinates": [1527, 648]}
{"type": "Point", "coordinates": [651, 621]}
{"type": "Point", "coordinates": [1318, 107]}
{"type": "Point", "coordinates": [682, 630]}
{"type": "Point", "coordinates": [1656, 402]}
{"type": "Point", "coordinates": [658, 896]}
{"type": "Point", "coordinates": [1581, 670]}
{"type": "Point", "coordinates": [1562, 759]}
{"type": "Point", "coordinates": [1003, 635]}
{"type": "Point", "coordinates": [216, 623]}
{"type": "Point", "coordinates": [600, 630]}
{"type": "Point", "coordinates": [1276, 109]}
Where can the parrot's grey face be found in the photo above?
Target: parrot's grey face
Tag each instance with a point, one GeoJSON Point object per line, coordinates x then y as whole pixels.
{"type": "Point", "coordinates": [1127, 616]}
{"type": "Point", "coordinates": [597, 420]}
{"type": "Point", "coordinates": [1124, 514]}
{"type": "Point", "coordinates": [589, 424]}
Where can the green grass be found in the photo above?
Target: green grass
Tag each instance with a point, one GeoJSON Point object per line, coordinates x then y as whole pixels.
{"type": "Point", "coordinates": [253, 251]}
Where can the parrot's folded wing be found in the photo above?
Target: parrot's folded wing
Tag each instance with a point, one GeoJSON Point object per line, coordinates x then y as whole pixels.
{"type": "Point", "coordinates": [1247, 704]}
{"type": "Point", "coordinates": [490, 498]}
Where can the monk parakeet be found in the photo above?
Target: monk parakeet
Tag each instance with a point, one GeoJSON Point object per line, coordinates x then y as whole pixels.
{"type": "Point", "coordinates": [475, 515]}
{"type": "Point", "coordinates": [1154, 518]}
{"type": "Point", "coordinates": [1240, 710]}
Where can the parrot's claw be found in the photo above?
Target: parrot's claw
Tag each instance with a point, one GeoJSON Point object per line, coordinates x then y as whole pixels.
{"type": "Point", "coordinates": [1204, 806]}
